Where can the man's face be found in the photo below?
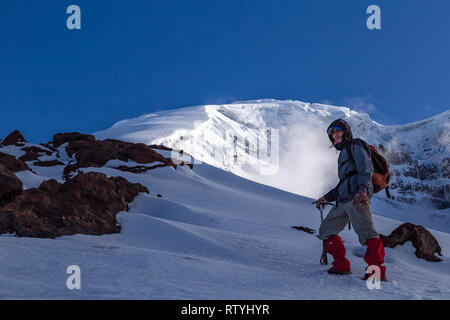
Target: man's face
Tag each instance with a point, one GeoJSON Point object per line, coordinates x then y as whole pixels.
{"type": "Point", "coordinates": [337, 135]}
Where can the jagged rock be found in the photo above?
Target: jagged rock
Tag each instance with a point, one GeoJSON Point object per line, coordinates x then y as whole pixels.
{"type": "Point", "coordinates": [160, 147]}
{"type": "Point", "coordinates": [10, 185]}
{"type": "Point", "coordinates": [140, 169]}
{"type": "Point", "coordinates": [61, 138]}
{"type": "Point", "coordinates": [85, 204]}
{"type": "Point", "coordinates": [425, 243]}
{"type": "Point", "coordinates": [98, 152]}
{"type": "Point", "coordinates": [37, 150]}
{"type": "Point", "coordinates": [14, 138]}
{"type": "Point", "coordinates": [12, 163]}
{"type": "Point", "coordinates": [29, 156]}
{"type": "Point", "coordinates": [49, 163]}
{"type": "Point", "coordinates": [33, 153]}
{"type": "Point", "coordinates": [49, 145]}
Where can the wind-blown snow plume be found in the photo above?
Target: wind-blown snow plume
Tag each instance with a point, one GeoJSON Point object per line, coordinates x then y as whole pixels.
{"type": "Point", "coordinates": [308, 165]}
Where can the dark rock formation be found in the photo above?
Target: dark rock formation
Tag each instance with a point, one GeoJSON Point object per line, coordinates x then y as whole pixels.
{"type": "Point", "coordinates": [36, 150]}
{"type": "Point", "coordinates": [160, 147]}
{"type": "Point", "coordinates": [61, 138]}
{"type": "Point", "coordinates": [49, 145]}
{"type": "Point", "coordinates": [425, 243]}
{"type": "Point", "coordinates": [96, 153]}
{"type": "Point", "coordinates": [12, 163]}
{"type": "Point", "coordinates": [33, 153]}
{"type": "Point", "coordinates": [85, 204]}
{"type": "Point", "coordinates": [138, 169]}
{"type": "Point", "coordinates": [10, 185]}
{"type": "Point", "coordinates": [48, 163]}
{"type": "Point", "coordinates": [14, 138]}
{"type": "Point", "coordinates": [30, 156]}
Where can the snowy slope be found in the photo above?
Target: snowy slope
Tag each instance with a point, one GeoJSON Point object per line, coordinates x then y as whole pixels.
{"type": "Point", "coordinates": [233, 137]}
{"type": "Point", "coordinates": [212, 235]}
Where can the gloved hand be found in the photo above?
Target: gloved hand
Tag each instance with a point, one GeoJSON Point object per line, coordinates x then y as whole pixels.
{"type": "Point", "coordinates": [321, 202]}
{"type": "Point", "coordinates": [361, 200]}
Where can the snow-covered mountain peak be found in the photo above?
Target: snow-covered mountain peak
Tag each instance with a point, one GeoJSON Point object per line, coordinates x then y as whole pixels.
{"type": "Point", "coordinates": [248, 137]}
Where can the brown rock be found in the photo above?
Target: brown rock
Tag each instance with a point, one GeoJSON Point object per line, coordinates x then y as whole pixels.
{"type": "Point", "coordinates": [12, 163]}
{"type": "Point", "coordinates": [49, 163]}
{"type": "Point", "coordinates": [30, 156]}
{"type": "Point", "coordinates": [85, 204]}
{"type": "Point", "coordinates": [97, 153]}
{"type": "Point", "coordinates": [49, 145]}
{"type": "Point", "coordinates": [425, 243]}
{"type": "Point", "coordinates": [10, 185]}
{"type": "Point", "coordinates": [14, 138]}
{"type": "Point", "coordinates": [160, 147]}
{"type": "Point", "coordinates": [61, 138]}
{"type": "Point", "coordinates": [36, 150]}
{"type": "Point", "coordinates": [140, 169]}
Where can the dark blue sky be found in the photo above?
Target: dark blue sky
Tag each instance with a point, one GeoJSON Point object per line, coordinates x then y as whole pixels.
{"type": "Point", "coordinates": [133, 57]}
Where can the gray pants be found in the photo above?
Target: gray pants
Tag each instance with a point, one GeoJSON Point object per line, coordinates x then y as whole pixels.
{"type": "Point", "coordinates": [338, 218]}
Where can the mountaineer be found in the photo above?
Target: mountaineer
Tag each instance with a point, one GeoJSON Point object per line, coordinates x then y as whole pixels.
{"type": "Point", "coordinates": [352, 195]}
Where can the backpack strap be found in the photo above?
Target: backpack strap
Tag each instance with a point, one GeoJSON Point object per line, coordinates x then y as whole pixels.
{"type": "Point", "coordinates": [359, 141]}
{"type": "Point", "coordinates": [387, 192]}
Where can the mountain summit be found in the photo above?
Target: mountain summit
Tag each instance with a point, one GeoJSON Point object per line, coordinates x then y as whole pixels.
{"type": "Point", "coordinates": [284, 144]}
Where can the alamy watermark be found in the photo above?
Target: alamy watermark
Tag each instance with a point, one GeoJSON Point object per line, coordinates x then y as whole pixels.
{"type": "Point", "coordinates": [374, 280]}
{"type": "Point", "coordinates": [374, 20]}
{"type": "Point", "coordinates": [73, 22]}
{"type": "Point", "coordinates": [74, 280]}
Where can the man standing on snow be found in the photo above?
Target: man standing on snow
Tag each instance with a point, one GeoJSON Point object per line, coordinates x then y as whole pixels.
{"type": "Point", "coordinates": [352, 195]}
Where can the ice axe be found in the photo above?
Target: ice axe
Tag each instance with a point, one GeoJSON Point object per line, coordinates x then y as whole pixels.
{"type": "Point", "coordinates": [324, 258]}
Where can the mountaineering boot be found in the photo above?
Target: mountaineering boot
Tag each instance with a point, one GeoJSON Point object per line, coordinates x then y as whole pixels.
{"type": "Point", "coordinates": [366, 276]}
{"type": "Point", "coordinates": [342, 273]}
{"type": "Point", "coordinates": [375, 257]}
{"type": "Point", "coordinates": [335, 247]}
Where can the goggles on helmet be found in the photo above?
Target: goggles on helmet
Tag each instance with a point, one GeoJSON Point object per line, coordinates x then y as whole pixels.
{"type": "Point", "coordinates": [330, 130]}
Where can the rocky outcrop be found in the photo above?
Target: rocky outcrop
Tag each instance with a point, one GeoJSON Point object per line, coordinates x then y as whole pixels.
{"type": "Point", "coordinates": [48, 163]}
{"type": "Point", "coordinates": [138, 169]}
{"type": "Point", "coordinates": [12, 163]}
{"type": "Point", "coordinates": [160, 147]}
{"type": "Point", "coordinates": [33, 153]}
{"type": "Point", "coordinates": [61, 138]}
{"type": "Point", "coordinates": [10, 185]}
{"type": "Point", "coordinates": [14, 138]}
{"type": "Point", "coordinates": [96, 153]}
{"type": "Point", "coordinates": [425, 243]}
{"type": "Point", "coordinates": [86, 204]}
